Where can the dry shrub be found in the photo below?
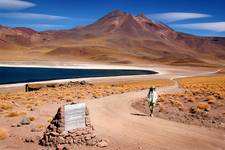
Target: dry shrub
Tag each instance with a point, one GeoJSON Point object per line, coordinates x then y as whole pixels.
{"type": "Point", "coordinates": [40, 126]}
{"type": "Point", "coordinates": [5, 106]}
{"type": "Point", "coordinates": [203, 106]}
{"type": "Point", "coordinates": [32, 118]}
{"type": "Point", "coordinates": [96, 95]}
{"type": "Point", "coordinates": [3, 133]}
{"type": "Point", "coordinates": [15, 114]}
{"type": "Point", "coordinates": [181, 108]}
{"type": "Point", "coordinates": [194, 109]}
{"type": "Point", "coordinates": [220, 104]}
{"type": "Point", "coordinates": [211, 99]}
{"type": "Point", "coordinates": [162, 99]}
{"type": "Point", "coordinates": [176, 103]}
{"type": "Point", "coordinates": [191, 99]}
{"type": "Point", "coordinates": [49, 119]}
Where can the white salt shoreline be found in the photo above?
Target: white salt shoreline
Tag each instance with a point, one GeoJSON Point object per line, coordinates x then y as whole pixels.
{"type": "Point", "coordinates": [80, 66]}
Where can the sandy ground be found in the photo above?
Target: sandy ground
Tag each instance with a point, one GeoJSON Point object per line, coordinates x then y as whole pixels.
{"type": "Point", "coordinates": [115, 119]}
{"type": "Point", "coordinates": [130, 129]}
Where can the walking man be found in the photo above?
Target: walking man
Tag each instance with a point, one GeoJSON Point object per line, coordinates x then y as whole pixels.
{"type": "Point", "coordinates": [152, 99]}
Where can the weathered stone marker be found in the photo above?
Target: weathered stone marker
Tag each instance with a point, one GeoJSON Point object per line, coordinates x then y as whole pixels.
{"type": "Point", "coordinates": [71, 125]}
{"type": "Point", "coordinates": [74, 116]}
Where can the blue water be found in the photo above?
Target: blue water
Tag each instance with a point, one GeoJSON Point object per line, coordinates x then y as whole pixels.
{"type": "Point", "coordinates": [28, 74]}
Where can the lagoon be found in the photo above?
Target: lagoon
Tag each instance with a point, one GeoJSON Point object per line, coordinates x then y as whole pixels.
{"type": "Point", "coordinates": [9, 75]}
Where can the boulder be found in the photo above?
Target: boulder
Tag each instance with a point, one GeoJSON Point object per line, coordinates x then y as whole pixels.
{"type": "Point", "coordinates": [25, 121]}
{"type": "Point", "coordinates": [102, 144]}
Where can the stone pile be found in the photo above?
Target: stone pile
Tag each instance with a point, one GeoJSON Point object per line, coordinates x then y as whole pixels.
{"type": "Point", "coordinates": [55, 134]}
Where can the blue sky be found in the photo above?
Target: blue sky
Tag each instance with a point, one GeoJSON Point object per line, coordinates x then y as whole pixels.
{"type": "Point", "coordinates": [199, 17]}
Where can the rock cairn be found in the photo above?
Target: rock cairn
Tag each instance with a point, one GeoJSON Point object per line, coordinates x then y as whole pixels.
{"type": "Point", "coordinates": [55, 134]}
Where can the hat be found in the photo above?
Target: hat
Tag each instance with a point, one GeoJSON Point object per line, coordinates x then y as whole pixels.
{"type": "Point", "coordinates": [152, 87]}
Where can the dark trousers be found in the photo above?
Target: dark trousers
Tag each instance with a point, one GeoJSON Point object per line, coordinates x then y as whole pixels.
{"type": "Point", "coordinates": [151, 108]}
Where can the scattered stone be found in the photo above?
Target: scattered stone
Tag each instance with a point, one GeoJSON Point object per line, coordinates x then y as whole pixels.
{"type": "Point", "coordinates": [194, 110]}
{"type": "Point", "coordinates": [14, 125]}
{"type": "Point", "coordinates": [83, 82]}
{"type": "Point", "coordinates": [32, 109]}
{"type": "Point", "coordinates": [25, 121]}
{"type": "Point", "coordinates": [91, 142]}
{"type": "Point", "coordinates": [102, 144]}
{"type": "Point", "coordinates": [29, 140]}
{"type": "Point", "coordinates": [35, 130]}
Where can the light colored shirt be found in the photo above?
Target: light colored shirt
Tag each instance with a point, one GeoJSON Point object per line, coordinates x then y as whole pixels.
{"type": "Point", "coordinates": [152, 97]}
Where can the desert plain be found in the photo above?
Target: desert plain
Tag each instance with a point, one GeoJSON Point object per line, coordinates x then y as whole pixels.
{"type": "Point", "coordinates": [189, 113]}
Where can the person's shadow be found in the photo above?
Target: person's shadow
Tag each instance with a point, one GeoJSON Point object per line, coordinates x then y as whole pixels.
{"type": "Point", "coordinates": [139, 114]}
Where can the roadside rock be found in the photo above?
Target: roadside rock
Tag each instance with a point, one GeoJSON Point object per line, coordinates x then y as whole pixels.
{"type": "Point", "coordinates": [29, 140]}
{"type": "Point", "coordinates": [194, 110]}
{"type": "Point", "coordinates": [14, 125]}
{"type": "Point", "coordinates": [35, 130]}
{"type": "Point", "coordinates": [102, 144]}
{"type": "Point", "coordinates": [25, 121]}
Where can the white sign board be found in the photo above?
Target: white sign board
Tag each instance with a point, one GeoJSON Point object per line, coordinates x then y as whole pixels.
{"type": "Point", "coordinates": [74, 116]}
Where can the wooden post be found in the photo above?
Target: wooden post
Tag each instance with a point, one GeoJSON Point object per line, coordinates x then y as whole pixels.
{"type": "Point", "coordinates": [26, 87]}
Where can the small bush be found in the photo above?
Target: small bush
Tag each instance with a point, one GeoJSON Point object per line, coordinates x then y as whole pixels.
{"type": "Point", "coordinates": [15, 114]}
{"type": "Point", "coordinates": [40, 126]}
{"type": "Point", "coordinates": [211, 99]}
{"type": "Point", "coordinates": [191, 99]}
{"type": "Point", "coordinates": [5, 106]}
{"type": "Point", "coordinates": [203, 106]}
{"type": "Point", "coordinates": [3, 133]}
{"type": "Point", "coordinates": [49, 119]}
{"type": "Point", "coordinates": [176, 103]}
{"type": "Point", "coordinates": [220, 104]}
{"type": "Point", "coordinates": [194, 110]}
{"type": "Point", "coordinates": [32, 118]}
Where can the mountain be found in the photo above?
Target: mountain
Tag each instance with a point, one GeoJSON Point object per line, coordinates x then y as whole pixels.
{"type": "Point", "coordinates": [118, 37]}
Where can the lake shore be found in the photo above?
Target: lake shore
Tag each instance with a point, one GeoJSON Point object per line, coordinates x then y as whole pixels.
{"type": "Point", "coordinates": [79, 66]}
{"type": "Point", "coordinates": [164, 72]}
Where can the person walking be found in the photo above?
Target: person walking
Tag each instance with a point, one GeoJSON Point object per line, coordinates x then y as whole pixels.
{"type": "Point", "coordinates": [152, 99]}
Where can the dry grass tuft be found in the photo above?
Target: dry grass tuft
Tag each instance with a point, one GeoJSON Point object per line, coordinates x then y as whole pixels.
{"type": "Point", "coordinates": [211, 99]}
{"type": "Point", "coordinates": [15, 114]}
{"type": "Point", "coordinates": [32, 118]}
{"type": "Point", "coordinates": [191, 99]}
{"type": "Point", "coordinates": [49, 119]}
{"type": "Point", "coordinates": [194, 109]}
{"type": "Point", "coordinates": [40, 126]}
{"type": "Point", "coordinates": [203, 106]}
{"type": "Point", "coordinates": [3, 133]}
{"type": "Point", "coordinates": [5, 106]}
{"type": "Point", "coordinates": [176, 103]}
{"type": "Point", "coordinates": [220, 104]}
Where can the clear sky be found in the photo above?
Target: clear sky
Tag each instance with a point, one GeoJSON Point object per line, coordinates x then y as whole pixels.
{"type": "Point", "coordinates": [200, 17]}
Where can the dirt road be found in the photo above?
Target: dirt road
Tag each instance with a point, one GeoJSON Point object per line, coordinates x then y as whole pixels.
{"type": "Point", "coordinates": [126, 128]}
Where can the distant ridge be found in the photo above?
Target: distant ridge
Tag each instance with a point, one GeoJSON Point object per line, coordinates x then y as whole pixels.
{"type": "Point", "coordinates": [117, 37]}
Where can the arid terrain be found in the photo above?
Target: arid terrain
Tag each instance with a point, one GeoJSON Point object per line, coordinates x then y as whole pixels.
{"type": "Point", "coordinates": [190, 113]}
{"type": "Point", "coordinates": [190, 110]}
{"type": "Point", "coordinates": [201, 102]}
{"type": "Point", "coordinates": [116, 38]}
